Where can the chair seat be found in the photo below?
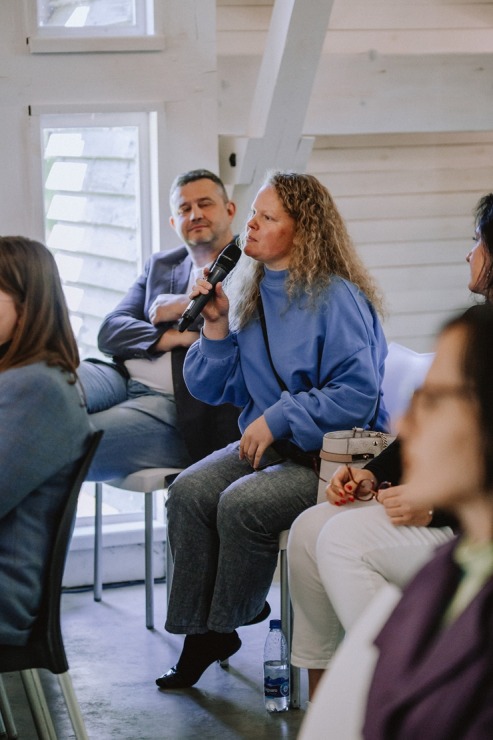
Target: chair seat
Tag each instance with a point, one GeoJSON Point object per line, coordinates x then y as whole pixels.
{"type": "Point", "coordinates": [147, 479]}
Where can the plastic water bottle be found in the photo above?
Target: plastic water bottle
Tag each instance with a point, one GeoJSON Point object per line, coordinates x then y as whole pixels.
{"type": "Point", "coordinates": [276, 669]}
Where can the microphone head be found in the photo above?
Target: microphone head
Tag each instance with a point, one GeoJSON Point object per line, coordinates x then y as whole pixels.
{"type": "Point", "coordinates": [229, 257]}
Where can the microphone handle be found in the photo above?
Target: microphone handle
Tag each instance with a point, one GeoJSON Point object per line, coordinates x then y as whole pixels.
{"type": "Point", "coordinates": [196, 305]}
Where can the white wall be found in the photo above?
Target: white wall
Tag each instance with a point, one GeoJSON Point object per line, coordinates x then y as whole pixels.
{"type": "Point", "coordinates": [180, 80]}
{"type": "Point", "coordinates": [408, 202]}
{"type": "Point", "coordinates": [402, 119]}
{"type": "Point", "coordinates": [400, 112]}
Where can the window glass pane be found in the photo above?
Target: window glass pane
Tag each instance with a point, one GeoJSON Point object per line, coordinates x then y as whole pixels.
{"type": "Point", "coordinates": [86, 13]}
{"type": "Point", "coordinates": [90, 19]}
{"type": "Point", "coordinates": [92, 219]}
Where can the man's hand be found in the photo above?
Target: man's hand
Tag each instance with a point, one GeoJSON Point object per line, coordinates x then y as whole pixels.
{"type": "Point", "coordinates": [174, 338]}
{"type": "Point", "coordinates": [255, 440]}
{"type": "Point", "coordinates": [167, 308]}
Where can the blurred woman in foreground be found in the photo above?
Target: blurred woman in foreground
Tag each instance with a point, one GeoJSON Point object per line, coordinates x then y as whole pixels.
{"type": "Point", "coordinates": [433, 676]}
{"type": "Point", "coordinates": [434, 671]}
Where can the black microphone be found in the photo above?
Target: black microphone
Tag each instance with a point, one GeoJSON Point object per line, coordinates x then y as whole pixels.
{"type": "Point", "coordinates": [223, 265]}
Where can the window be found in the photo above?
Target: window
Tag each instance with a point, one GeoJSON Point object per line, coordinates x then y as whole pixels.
{"type": "Point", "coordinates": [78, 26]}
{"type": "Point", "coordinates": [98, 187]}
{"type": "Point", "coordinates": [97, 215]}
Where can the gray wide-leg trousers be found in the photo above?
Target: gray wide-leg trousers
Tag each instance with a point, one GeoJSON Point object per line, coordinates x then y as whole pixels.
{"type": "Point", "coordinates": [224, 521]}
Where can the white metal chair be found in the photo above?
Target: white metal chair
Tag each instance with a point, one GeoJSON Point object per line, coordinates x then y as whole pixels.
{"type": "Point", "coordinates": [405, 371]}
{"type": "Point", "coordinates": [287, 618]}
{"type": "Point", "coordinates": [145, 481]}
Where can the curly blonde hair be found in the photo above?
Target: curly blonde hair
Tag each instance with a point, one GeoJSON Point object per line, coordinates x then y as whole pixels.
{"type": "Point", "coordinates": [321, 249]}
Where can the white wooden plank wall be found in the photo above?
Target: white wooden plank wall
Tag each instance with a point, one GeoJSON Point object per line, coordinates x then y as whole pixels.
{"type": "Point", "coordinates": [391, 26]}
{"type": "Point", "coordinates": [408, 203]}
{"type": "Point", "coordinates": [392, 73]}
{"type": "Point", "coordinates": [409, 82]}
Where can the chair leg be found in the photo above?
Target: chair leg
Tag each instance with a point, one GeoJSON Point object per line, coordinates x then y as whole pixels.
{"type": "Point", "coordinates": [149, 570]}
{"type": "Point", "coordinates": [8, 727]}
{"type": "Point", "coordinates": [73, 706]}
{"type": "Point", "coordinates": [295, 684]}
{"type": "Point", "coordinates": [169, 556]}
{"type": "Point", "coordinates": [98, 541]}
{"type": "Point", "coordinates": [37, 704]}
{"type": "Point", "coordinates": [169, 568]}
{"type": "Point", "coordinates": [286, 622]}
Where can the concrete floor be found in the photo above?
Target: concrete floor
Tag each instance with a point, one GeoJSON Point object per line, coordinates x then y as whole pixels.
{"type": "Point", "coordinates": [114, 661]}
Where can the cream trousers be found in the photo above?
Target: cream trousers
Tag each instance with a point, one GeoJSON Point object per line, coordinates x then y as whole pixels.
{"type": "Point", "coordinates": [338, 558]}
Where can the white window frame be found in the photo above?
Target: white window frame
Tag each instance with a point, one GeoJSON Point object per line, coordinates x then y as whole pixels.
{"type": "Point", "coordinates": [59, 39]}
{"type": "Point", "coordinates": [144, 117]}
{"type": "Point", "coordinates": [123, 527]}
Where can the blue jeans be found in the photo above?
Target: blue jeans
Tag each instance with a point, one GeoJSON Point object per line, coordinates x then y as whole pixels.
{"type": "Point", "coordinates": [139, 424]}
{"type": "Point", "coordinates": [224, 522]}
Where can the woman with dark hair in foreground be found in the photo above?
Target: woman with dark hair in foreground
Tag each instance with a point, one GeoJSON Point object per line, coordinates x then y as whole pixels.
{"type": "Point", "coordinates": [44, 427]}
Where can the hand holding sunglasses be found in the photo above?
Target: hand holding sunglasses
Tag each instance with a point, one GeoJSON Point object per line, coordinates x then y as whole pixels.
{"type": "Point", "coordinates": [347, 485]}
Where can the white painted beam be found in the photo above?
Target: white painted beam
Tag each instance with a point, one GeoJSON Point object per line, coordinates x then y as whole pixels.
{"type": "Point", "coordinates": [284, 85]}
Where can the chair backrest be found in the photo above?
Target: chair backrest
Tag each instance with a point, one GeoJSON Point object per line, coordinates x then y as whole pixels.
{"type": "Point", "coordinates": [405, 371]}
{"type": "Point", "coordinates": [44, 648]}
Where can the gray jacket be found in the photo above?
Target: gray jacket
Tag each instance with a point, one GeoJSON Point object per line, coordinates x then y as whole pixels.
{"type": "Point", "coordinates": [44, 430]}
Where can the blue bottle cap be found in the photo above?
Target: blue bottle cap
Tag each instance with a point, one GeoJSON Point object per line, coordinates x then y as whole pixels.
{"type": "Point", "coordinates": [275, 624]}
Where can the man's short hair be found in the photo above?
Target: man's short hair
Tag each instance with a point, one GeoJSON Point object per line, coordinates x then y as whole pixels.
{"type": "Point", "coordinates": [192, 176]}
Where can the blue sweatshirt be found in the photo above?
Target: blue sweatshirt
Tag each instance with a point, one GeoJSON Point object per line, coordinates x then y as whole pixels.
{"type": "Point", "coordinates": [331, 359]}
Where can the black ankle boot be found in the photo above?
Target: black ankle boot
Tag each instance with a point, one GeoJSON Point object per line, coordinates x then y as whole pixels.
{"type": "Point", "coordinates": [199, 652]}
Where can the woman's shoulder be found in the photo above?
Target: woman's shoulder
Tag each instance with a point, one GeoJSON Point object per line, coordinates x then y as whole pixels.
{"type": "Point", "coordinates": [41, 370]}
{"type": "Point", "coordinates": [39, 379]}
{"type": "Point", "coordinates": [343, 293]}
{"type": "Point", "coordinates": [341, 285]}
